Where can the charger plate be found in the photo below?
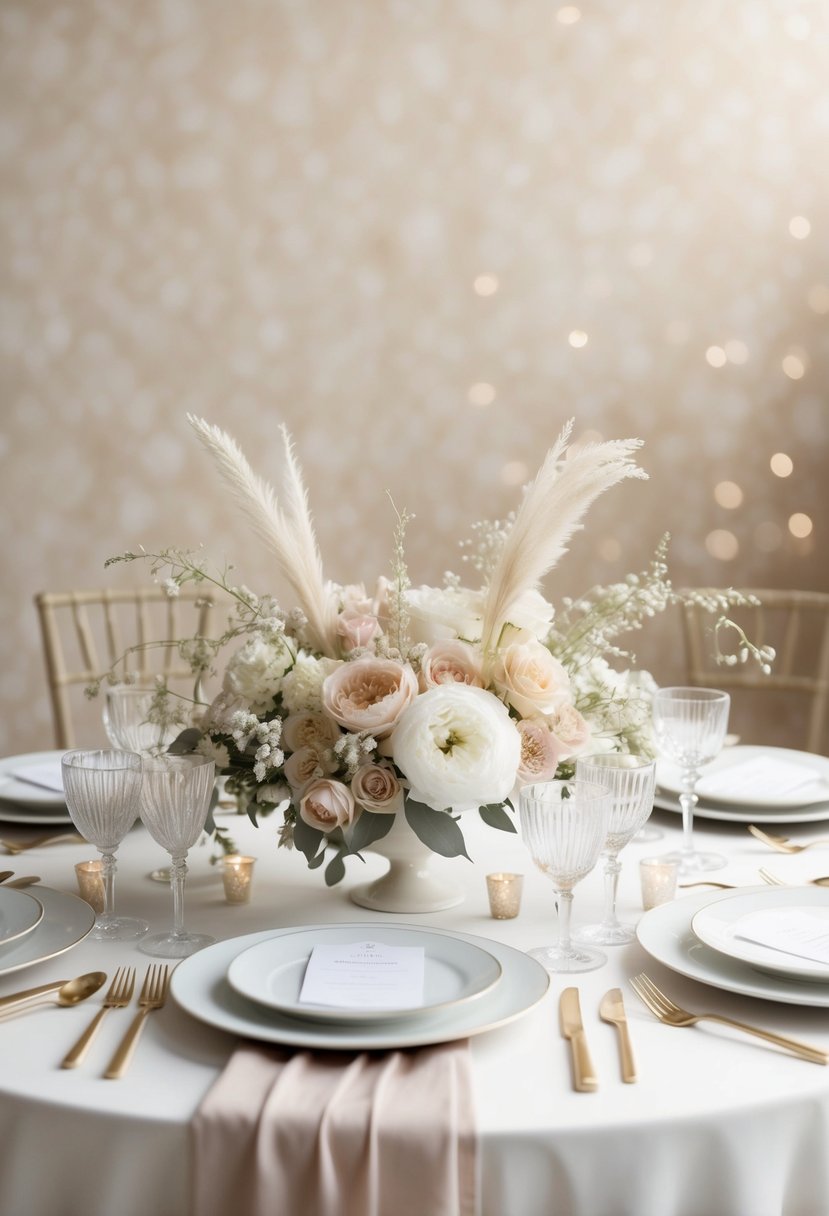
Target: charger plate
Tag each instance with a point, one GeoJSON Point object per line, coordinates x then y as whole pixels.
{"type": "Point", "coordinates": [200, 987]}
{"type": "Point", "coordinates": [718, 925]}
{"type": "Point", "coordinates": [66, 921]}
{"type": "Point", "coordinates": [807, 773]}
{"type": "Point", "coordinates": [755, 814]}
{"type": "Point", "coordinates": [25, 793]}
{"type": "Point", "coordinates": [18, 916]}
{"type": "Point", "coordinates": [271, 973]}
{"type": "Point", "coordinates": [666, 934]}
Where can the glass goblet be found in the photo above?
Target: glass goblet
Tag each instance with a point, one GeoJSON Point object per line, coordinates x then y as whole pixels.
{"type": "Point", "coordinates": [102, 789]}
{"type": "Point", "coordinates": [564, 825]}
{"type": "Point", "coordinates": [631, 780]}
{"type": "Point", "coordinates": [175, 798]}
{"type": "Point", "coordinates": [689, 725]}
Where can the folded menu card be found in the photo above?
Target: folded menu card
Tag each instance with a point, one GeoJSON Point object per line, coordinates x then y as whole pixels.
{"type": "Point", "coordinates": [47, 775]}
{"type": "Point", "coordinates": [364, 975]}
{"type": "Point", "coordinates": [762, 777]}
{"type": "Point", "coordinates": [803, 932]}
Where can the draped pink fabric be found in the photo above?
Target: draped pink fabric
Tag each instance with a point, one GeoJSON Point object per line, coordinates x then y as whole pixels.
{"type": "Point", "coordinates": [336, 1134]}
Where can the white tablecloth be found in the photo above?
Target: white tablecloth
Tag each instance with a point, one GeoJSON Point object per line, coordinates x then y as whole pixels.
{"type": "Point", "coordinates": [717, 1125]}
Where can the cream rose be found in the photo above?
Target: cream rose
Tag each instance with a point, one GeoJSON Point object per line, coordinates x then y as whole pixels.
{"type": "Point", "coordinates": [530, 679]}
{"type": "Point", "coordinates": [308, 730]}
{"type": "Point", "coordinates": [458, 747]}
{"type": "Point", "coordinates": [541, 751]}
{"type": "Point", "coordinates": [442, 613]}
{"type": "Point", "coordinates": [327, 805]}
{"type": "Point", "coordinates": [369, 694]}
{"type": "Point", "coordinates": [571, 730]}
{"type": "Point", "coordinates": [450, 662]}
{"type": "Point", "coordinates": [377, 788]}
{"type": "Point", "coordinates": [303, 766]}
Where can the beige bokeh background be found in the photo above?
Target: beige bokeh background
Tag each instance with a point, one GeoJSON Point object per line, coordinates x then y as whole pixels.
{"type": "Point", "coordinates": [423, 235]}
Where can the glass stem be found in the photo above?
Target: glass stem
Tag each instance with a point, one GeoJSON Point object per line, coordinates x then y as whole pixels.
{"type": "Point", "coordinates": [611, 881]}
{"type": "Point", "coordinates": [565, 904]}
{"type": "Point", "coordinates": [178, 873]}
{"type": "Point", "coordinates": [688, 801]}
{"type": "Point", "coordinates": [108, 868]}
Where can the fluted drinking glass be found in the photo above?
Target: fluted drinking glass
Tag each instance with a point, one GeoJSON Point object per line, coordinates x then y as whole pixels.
{"type": "Point", "coordinates": [132, 720]}
{"type": "Point", "coordinates": [564, 825]}
{"type": "Point", "coordinates": [102, 789]}
{"type": "Point", "coordinates": [175, 798]}
{"type": "Point", "coordinates": [689, 725]}
{"type": "Point", "coordinates": [631, 780]}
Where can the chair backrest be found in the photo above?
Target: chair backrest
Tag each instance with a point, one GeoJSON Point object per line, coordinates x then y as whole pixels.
{"type": "Point", "coordinates": [796, 624]}
{"type": "Point", "coordinates": [86, 632]}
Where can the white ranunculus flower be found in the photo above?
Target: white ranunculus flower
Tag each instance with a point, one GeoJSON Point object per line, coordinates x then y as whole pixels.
{"type": "Point", "coordinates": [255, 671]}
{"type": "Point", "coordinates": [531, 613]}
{"type": "Point", "coordinates": [439, 613]}
{"type": "Point", "coordinates": [457, 747]}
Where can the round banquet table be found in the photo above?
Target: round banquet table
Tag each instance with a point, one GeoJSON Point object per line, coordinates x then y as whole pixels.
{"type": "Point", "coordinates": [718, 1124]}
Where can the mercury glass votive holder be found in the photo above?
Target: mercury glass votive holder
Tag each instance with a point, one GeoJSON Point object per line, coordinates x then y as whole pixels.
{"type": "Point", "coordinates": [237, 876]}
{"type": "Point", "coordinates": [658, 878]}
{"type": "Point", "coordinates": [504, 891]}
{"type": "Point", "coordinates": [89, 875]}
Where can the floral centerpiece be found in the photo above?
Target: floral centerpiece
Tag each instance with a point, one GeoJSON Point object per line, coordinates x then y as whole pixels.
{"type": "Point", "coordinates": [355, 708]}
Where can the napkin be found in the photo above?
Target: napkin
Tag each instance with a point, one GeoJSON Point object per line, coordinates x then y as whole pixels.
{"type": "Point", "coordinates": [801, 932]}
{"type": "Point", "coordinates": [763, 776]}
{"type": "Point", "coordinates": [47, 775]}
{"type": "Point", "coordinates": [338, 1134]}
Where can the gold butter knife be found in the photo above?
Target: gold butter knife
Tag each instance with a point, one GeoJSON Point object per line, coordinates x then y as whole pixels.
{"type": "Point", "coordinates": [612, 1009]}
{"type": "Point", "coordinates": [569, 1012]}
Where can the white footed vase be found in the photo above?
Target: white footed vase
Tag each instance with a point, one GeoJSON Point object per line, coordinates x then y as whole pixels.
{"type": "Point", "coordinates": [414, 881]}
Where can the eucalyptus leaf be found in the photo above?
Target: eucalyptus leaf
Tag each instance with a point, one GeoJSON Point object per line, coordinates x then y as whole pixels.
{"type": "Point", "coordinates": [185, 742]}
{"type": "Point", "coordinates": [307, 839]}
{"type": "Point", "coordinates": [314, 863]}
{"type": "Point", "coordinates": [369, 827]}
{"type": "Point", "coordinates": [335, 870]}
{"type": "Point", "coordinates": [437, 829]}
{"type": "Point", "coordinates": [496, 817]}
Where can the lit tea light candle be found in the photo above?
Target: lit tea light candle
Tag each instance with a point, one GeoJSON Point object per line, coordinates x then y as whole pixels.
{"type": "Point", "coordinates": [91, 883]}
{"type": "Point", "coordinates": [237, 875]}
{"type": "Point", "coordinates": [504, 892]}
{"type": "Point", "coordinates": [658, 878]}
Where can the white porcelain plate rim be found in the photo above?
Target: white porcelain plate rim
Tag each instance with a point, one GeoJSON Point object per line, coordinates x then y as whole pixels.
{"type": "Point", "coordinates": [271, 972]}
{"type": "Point", "coordinates": [22, 793]}
{"type": "Point", "coordinates": [67, 920]}
{"type": "Point", "coordinates": [667, 776]}
{"type": "Point", "coordinates": [665, 933]}
{"type": "Point", "coordinates": [756, 814]}
{"type": "Point", "coordinates": [199, 986]}
{"type": "Point", "coordinates": [715, 925]}
{"type": "Point", "coordinates": [18, 916]}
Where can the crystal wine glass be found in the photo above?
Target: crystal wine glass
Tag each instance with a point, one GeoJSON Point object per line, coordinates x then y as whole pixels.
{"type": "Point", "coordinates": [102, 789]}
{"type": "Point", "coordinates": [564, 825]}
{"type": "Point", "coordinates": [690, 725]}
{"type": "Point", "coordinates": [631, 780]}
{"type": "Point", "coordinates": [134, 719]}
{"type": "Point", "coordinates": [175, 798]}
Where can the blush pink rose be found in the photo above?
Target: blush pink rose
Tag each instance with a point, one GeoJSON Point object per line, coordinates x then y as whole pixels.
{"type": "Point", "coordinates": [530, 679]}
{"type": "Point", "coordinates": [571, 730]}
{"type": "Point", "coordinates": [541, 751]}
{"type": "Point", "coordinates": [303, 766]}
{"type": "Point", "coordinates": [377, 788]}
{"type": "Point", "coordinates": [308, 729]}
{"type": "Point", "coordinates": [356, 629]}
{"type": "Point", "coordinates": [450, 662]}
{"type": "Point", "coordinates": [327, 805]}
{"type": "Point", "coordinates": [369, 694]}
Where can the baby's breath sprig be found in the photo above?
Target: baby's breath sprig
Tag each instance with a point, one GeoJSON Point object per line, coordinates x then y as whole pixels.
{"type": "Point", "coordinates": [398, 609]}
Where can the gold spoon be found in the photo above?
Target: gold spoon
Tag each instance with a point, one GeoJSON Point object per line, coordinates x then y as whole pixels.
{"type": "Point", "coordinates": [64, 992]}
{"type": "Point", "coordinates": [27, 880]}
{"type": "Point", "coordinates": [39, 842]}
{"type": "Point", "coordinates": [4, 874]}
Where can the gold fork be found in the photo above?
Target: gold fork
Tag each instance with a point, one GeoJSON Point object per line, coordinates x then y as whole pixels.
{"type": "Point", "coordinates": [673, 1015]}
{"type": "Point", "coordinates": [782, 843]}
{"type": "Point", "coordinates": [152, 996]}
{"type": "Point", "coordinates": [20, 846]}
{"type": "Point", "coordinates": [774, 881]}
{"type": "Point", "coordinates": [118, 997]}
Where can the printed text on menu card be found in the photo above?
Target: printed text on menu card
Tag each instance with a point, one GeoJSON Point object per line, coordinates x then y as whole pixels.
{"type": "Point", "coordinates": [364, 975]}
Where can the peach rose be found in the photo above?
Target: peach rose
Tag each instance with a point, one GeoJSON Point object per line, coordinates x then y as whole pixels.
{"type": "Point", "coordinates": [308, 730]}
{"type": "Point", "coordinates": [450, 662]}
{"type": "Point", "coordinates": [377, 788]}
{"type": "Point", "coordinates": [571, 730]}
{"type": "Point", "coordinates": [530, 679]}
{"type": "Point", "coordinates": [540, 751]}
{"type": "Point", "coordinates": [303, 766]}
{"type": "Point", "coordinates": [327, 805]}
{"type": "Point", "coordinates": [369, 694]}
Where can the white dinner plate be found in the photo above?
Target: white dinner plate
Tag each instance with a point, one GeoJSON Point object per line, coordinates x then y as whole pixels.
{"type": "Point", "coordinates": [200, 987]}
{"type": "Point", "coordinates": [718, 925]}
{"type": "Point", "coordinates": [18, 916]}
{"type": "Point", "coordinates": [271, 973]}
{"type": "Point", "coordinates": [666, 934]}
{"type": "Point", "coordinates": [25, 793]}
{"type": "Point", "coordinates": [66, 921]}
{"type": "Point", "coordinates": [743, 776]}
{"type": "Point", "coordinates": [757, 814]}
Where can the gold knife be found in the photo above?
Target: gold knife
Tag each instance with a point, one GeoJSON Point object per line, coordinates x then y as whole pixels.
{"type": "Point", "coordinates": [569, 1012]}
{"type": "Point", "coordinates": [612, 1009]}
